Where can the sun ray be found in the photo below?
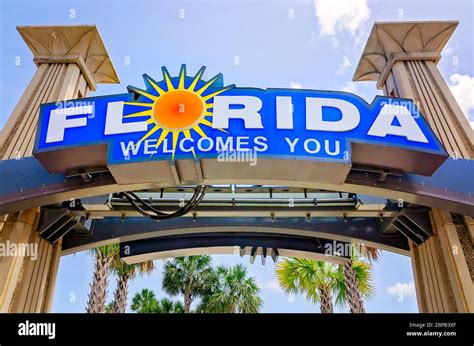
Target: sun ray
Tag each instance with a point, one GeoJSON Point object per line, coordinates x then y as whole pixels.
{"type": "Point", "coordinates": [175, 143]}
{"type": "Point", "coordinates": [210, 96]}
{"type": "Point", "coordinates": [197, 78]}
{"type": "Point", "coordinates": [156, 93]}
{"type": "Point", "coordinates": [208, 123]}
{"type": "Point", "coordinates": [209, 83]}
{"type": "Point", "coordinates": [139, 114]}
{"type": "Point", "coordinates": [187, 134]}
{"type": "Point", "coordinates": [163, 135]}
{"type": "Point", "coordinates": [141, 104]}
{"type": "Point", "coordinates": [182, 75]}
{"type": "Point", "coordinates": [144, 93]}
{"type": "Point", "coordinates": [154, 85]}
{"type": "Point", "coordinates": [149, 133]}
{"type": "Point", "coordinates": [167, 76]}
{"type": "Point", "coordinates": [199, 131]}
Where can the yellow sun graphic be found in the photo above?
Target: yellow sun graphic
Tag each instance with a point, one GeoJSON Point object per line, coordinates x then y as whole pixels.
{"type": "Point", "coordinates": [180, 108]}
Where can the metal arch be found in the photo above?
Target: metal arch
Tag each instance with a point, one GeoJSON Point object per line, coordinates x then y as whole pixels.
{"type": "Point", "coordinates": [252, 244]}
{"type": "Point", "coordinates": [26, 184]}
{"type": "Point", "coordinates": [110, 230]}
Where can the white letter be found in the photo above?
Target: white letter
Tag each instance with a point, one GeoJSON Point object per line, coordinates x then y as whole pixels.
{"type": "Point", "coordinates": [224, 146]}
{"type": "Point", "coordinates": [312, 151]}
{"type": "Point", "coordinates": [22, 329]}
{"type": "Point", "coordinates": [408, 128]}
{"type": "Point", "coordinates": [166, 148]}
{"type": "Point", "coordinates": [241, 143]}
{"type": "Point", "coordinates": [350, 115]}
{"type": "Point", "coordinates": [114, 124]}
{"type": "Point", "coordinates": [292, 143]}
{"type": "Point", "coordinates": [261, 145]}
{"type": "Point", "coordinates": [248, 113]}
{"type": "Point", "coordinates": [150, 147]}
{"type": "Point", "coordinates": [52, 330]}
{"type": "Point", "coordinates": [58, 121]}
{"type": "Point", "coordinates": [130, 147]}
{"type": "Point", "coordinates": [200, 142]}
{"type": "Point", "coordinates": [181, 145]}
{"type": "Point", "coordinates": [284, 109]}
{"type": "Point", "coordinates": [328, 150]}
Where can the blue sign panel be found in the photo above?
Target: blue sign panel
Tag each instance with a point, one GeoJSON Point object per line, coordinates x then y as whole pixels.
{"type": "Point", "coordinates": [188, 117]}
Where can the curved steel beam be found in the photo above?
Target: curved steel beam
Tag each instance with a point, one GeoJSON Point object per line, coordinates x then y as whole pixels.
{"type": "Point", "coordinates": [253, 244]}
{"type": "Point", "coordinates": [113, 230]}
{"type": "Point", "coordinates": [26, 184]}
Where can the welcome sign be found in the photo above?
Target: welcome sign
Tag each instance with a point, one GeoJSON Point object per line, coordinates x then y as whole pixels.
{"type": "Point", "coordinates": [189, 118]}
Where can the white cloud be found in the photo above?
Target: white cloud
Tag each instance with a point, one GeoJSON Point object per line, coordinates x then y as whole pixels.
{"type": "Point", "coordinates": [270, 286]}
{"type": "Point", "coordinates": [338, 15]}
{"type": "Point", "coordinates": [343, 66]}
{"type": "Point", "coordinates": [447, 50]}
{"type": "Point", "coordinates": [405, 288]}
{"type": "Point", "coordinates": [349, 87]}
{"type": "Point", "coordinates": [295, 85]}
{"type": "Point", "coordinates": [462, 87]}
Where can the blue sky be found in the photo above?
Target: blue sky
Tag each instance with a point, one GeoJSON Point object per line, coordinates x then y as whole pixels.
{"type": "Point", "coordinates": [310, 44]}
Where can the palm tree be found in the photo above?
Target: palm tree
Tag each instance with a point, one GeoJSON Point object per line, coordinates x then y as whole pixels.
{"type": "Point", "coordinates": [372, 254]}
{"type": "Point", "coordinates": [317, 279]}
{"type": "Point", "coordinates": [109, 308]}
{"type": "Point", "coordinates": [358, 278]}
{"type": "Point", "coordinates": [188, 276]}
{"type": "Point", "coordinates": [354, 284]}
{"type": "Point", "coordinates": [126, 272]}
{"type": "Point", "coordinates": [144, 301]}
{"type": "Point", "coordinates": [232, 292]}
{"type": "Point", "coordinates": [168, 306]}
{"type": "Point", "coordinates": [104, 256]}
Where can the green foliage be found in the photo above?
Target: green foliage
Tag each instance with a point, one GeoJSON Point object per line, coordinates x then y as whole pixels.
{"type": "Point", "coordinates": [146, 302]}
{"type": "Point", "coordinates": [109, 308]}
{"type": "Point", "coordinates": [186, 273]}
{"type": "Point", "coordinates": [106, 251]}
{"type": "Point", "coordinates": [309, 277]}
{"type": "Point", "coordinates": [188, 276]}
{"type": "Point", "coordinates": [232, 291]}
{"type": "Point", "coordinates": [363, 272]}
{"type": "Point", "coordinates": [168, 306]}
{"type": "Point", "coordinates": [306, 276]}
{"type": "Point", "coordinates": [120, 268]}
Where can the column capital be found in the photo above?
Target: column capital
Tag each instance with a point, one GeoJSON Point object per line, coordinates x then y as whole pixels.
{"type": "Point", "coordinates": [80, 44]}
{"type": "Point", "coordinates": [389, 42]}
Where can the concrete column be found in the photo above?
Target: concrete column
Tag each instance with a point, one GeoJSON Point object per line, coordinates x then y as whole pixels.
{"type": "Point", "coordinates": [401, 57]}
{"type": "Point", "coordinates": [71, 60]}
